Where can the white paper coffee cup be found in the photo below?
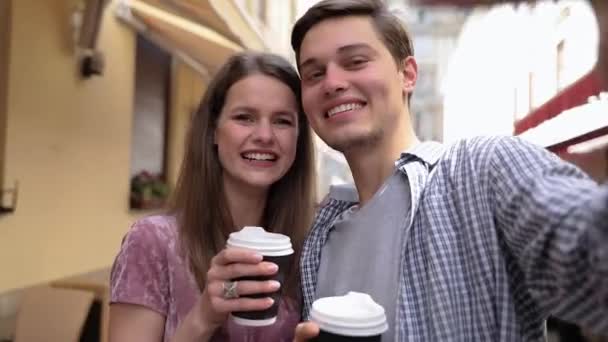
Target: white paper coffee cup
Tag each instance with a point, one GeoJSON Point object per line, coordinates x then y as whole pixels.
{"type": "Point", "coordinates": [261, 241]}
{"type": "Point", "coordinates": [353, 315]}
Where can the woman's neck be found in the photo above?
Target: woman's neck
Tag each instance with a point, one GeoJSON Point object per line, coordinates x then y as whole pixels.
{"type": "Point", "coordinates": [246, 204]}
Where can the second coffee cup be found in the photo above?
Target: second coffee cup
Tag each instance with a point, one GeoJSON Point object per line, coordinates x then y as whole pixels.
{"type": "Point", "coordinates": [354, 317]}
{"type": "Point", "coordinates": [275, 248]}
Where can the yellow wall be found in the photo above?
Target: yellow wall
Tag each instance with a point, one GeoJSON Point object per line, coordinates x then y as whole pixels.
{"type": "Point", "coordinates": [186, 92]}
{"type": "Point", "coordinates": [68, 144]}
{"type": "Point", "coordinates": [5, 7]}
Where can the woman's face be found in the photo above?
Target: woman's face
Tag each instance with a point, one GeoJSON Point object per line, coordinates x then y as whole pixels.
{"type": "Point", "coordinates": [257, 132]}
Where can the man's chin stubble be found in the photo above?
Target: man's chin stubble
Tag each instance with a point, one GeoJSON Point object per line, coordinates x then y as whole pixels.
{"type": "Point", "coordinates": [362, 143]}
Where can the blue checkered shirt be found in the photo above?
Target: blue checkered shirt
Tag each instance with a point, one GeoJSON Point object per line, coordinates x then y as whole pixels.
{"type": "Point", "coordinates": [501, 235]}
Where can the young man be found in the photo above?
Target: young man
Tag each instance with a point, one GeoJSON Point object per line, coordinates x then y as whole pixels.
{"type": "Point", "coordinates": [478, 241]}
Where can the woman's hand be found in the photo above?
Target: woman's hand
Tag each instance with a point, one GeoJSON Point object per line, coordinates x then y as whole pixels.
{"type": "Point", "coordinates": [212, 307]}
{"type": "Point", "coordinates": [233, 263]}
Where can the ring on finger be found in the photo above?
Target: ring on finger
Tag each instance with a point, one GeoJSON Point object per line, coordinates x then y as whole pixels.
{"type": "Point", "coordinates": [229, 290]}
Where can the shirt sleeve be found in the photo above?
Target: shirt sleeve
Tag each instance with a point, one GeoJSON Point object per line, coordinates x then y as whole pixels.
{"type": "Point", "coordinates": [554, 221]}
{"type": "Point", "coordinates": [140, 272]}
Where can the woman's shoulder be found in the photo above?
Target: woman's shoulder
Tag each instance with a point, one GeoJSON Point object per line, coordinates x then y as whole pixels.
{"type": "Point", "coordinates": [149, 240]}
{"type": "Point", "coordinates": [151, 230]}
{"type": "Point", "coordinates": [139, 274]}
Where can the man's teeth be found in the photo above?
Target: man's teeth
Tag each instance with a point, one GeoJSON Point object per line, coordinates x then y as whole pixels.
{"type": "Point", "coordinates": [260, 156]}
{"type": "Point", "coordinates": [343, 108]}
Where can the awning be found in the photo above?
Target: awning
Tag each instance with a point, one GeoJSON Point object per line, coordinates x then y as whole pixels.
{"type": "Point", "coordinates": [204, 32]}
{"type": "Point", "coordinates": [568, 119]}
{"type": "Point", "coordinates": [573, 126]}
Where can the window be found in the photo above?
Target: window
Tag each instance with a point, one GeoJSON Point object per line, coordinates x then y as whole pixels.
{"type": "Point", "coordinates": [150, 120]}
{"type": "Point", "coordinates": [262, 12]}
{"type": "Point", "coordinates": [560, 66]}
{"type": "Point", "coordinates": [257, 10]}
{"type": "Point", "coordinates": [531, 94]}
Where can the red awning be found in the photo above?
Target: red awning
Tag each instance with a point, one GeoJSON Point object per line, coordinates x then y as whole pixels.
{"type": "Point", "coordinates": [573, 96]}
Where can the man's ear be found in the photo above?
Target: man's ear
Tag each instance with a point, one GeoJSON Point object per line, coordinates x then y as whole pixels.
{"type": "Point", "coordinates": [409, 74]}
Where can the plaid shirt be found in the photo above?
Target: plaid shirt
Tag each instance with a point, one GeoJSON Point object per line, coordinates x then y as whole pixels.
{"type": "Point", "coordinates": [501, 235]}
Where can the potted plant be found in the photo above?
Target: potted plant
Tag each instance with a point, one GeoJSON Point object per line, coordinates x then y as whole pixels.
{"type": "Point", "coordinates": [148, 191]}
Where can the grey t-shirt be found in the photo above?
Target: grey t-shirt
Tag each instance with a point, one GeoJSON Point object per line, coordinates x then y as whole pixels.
{"type": "Point", "coordinates": [362, 252]}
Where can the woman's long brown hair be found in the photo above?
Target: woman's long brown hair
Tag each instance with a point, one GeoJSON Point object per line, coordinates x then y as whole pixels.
{"type": "Point", "coordinates": [199, 203]}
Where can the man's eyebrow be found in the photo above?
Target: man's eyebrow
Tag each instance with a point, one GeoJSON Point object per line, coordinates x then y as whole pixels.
{"type": "Point", "coordinates": [342, 49]}
{"type": "Point", "coordinates": [352, 47]}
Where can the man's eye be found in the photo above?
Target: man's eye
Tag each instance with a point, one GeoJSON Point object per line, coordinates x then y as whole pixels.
{"type": "Point", "coordinates": [357, 62]}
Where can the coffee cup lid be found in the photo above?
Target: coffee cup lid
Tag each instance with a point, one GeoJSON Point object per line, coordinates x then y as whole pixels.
{"type": "Point", "coordinates": [355, 314]}
{"type": "Point", "coordinates": [258, 239]}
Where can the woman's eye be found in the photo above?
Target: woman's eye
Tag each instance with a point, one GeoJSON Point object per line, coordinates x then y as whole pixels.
{"type": "Point", "coordinates": [314, 75]}
{"type": "Point", "coordinates": [244, 117]}
{"type": "Point", "coordinates": [286, 122]}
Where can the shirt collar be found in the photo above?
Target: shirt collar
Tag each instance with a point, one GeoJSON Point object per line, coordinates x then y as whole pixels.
{"type": "Point", "coordinates": [429, 152]}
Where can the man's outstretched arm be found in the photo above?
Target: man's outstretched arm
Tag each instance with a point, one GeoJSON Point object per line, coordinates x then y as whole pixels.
{"type": "Point", "coordinates": [554, 220]}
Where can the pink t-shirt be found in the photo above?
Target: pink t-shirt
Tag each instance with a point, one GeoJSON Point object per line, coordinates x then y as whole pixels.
{"type": "Point", "coordinates": [149, 271]}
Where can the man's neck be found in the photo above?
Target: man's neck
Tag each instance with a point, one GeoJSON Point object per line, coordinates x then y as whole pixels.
{"type": "Point", "coordinates": [372, 165]}
{"type": "Point", "coordinates": [246, 205]}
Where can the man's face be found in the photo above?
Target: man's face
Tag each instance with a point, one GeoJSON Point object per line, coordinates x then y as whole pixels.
{"type": "Point", "coordinates": [352, 89]}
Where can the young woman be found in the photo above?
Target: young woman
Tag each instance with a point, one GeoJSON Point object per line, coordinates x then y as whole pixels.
{"type": "Point", "coordinates": [248, 161]}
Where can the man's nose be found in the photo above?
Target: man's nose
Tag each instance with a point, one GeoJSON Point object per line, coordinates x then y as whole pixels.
{"type": "Point", "coordinates": [334, 81]}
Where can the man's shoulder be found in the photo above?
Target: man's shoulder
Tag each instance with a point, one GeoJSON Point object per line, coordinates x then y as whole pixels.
{"type": "Point", "coordinates": [475, 157]}
{"type": "Point", "coordinates": [338, 199]}
{"type": "Point", "coordinates": [343, 195]}
{"type": "Point", "coordinates": [489, 143]}
{"type": "Point", "coordinates": [476, 144]}
{"type": "Point", "coordinates": [343, 192]}
{"type": "Point", "coordinates": [483, 158]}
{"type": "Point", "coordinates": [481, 149]}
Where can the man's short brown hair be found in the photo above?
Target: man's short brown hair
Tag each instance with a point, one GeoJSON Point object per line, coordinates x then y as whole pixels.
{"type": "Point", "coordinates": [388, 26]}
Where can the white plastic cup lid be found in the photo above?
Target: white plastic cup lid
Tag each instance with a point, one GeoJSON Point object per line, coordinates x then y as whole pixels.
{"type": "Point", "coordinates": [258, 239]}
{"type": "Point", "coordinates": [355, 314]}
